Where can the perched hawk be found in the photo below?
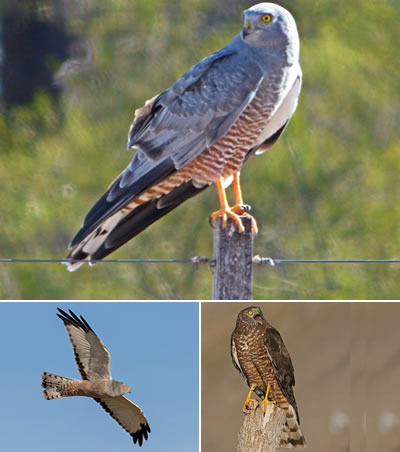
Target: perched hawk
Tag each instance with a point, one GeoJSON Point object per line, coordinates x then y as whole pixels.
{"type": "Point", "coordinates": [260, 355]}
{"type": "Point", "coordinates": [231, 105]}
{"type": "Point", "coordinates": [93, 360]}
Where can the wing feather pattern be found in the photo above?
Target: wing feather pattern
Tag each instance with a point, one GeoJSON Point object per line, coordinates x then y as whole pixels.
{"type": "Point", "coordinates": [282, 364]}
{"type": "Point", "coordinates": [91, 355]}
{"type": "Point", "coordinates": [128, 415]}
{"type": "Point", "coordinates": [172, 129]}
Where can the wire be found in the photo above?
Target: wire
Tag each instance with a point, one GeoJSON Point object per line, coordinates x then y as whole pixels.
{"type": "Point", "coordinates": [191, 260]}
{"type": "Point", "coordinates": [268, 260]}
{"type": "Point", "coordinates": [203, 260]}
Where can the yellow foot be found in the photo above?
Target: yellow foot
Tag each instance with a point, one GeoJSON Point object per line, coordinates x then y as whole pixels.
{"type": "Point", "coordinates": [248, 398]}
{"type": "Point", "coordinates": [225, 213]}
{"type": "Point", "coordinates": [244, 209]}
{"type": "Point", "coordinates": [265, 402]}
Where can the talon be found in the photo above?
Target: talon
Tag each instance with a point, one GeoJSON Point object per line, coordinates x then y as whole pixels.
{"type": "Point", "coordinates": [225, 211]}
{"type": "Point", "coordinates": [265, 402]}
{"type": "Point", "coordinates": [241, 209]}
{"type": "Point", "coordinates": [248, 398]}
{"type": "Point", "coordinates": [244, 209]}
{"type": "Point", "coordinates": [225, 214]}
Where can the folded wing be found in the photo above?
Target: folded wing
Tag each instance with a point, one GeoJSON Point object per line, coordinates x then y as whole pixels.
{"type": "Point", "coordinates": [170, 131]}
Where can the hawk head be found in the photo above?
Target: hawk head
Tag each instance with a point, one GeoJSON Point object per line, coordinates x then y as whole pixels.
{"type": "Point", "coordinates": [268, 25]}
{"type": "Point", "coordinates": [117, 388]}
{"type": "Point", "coordinates": [251, 316]}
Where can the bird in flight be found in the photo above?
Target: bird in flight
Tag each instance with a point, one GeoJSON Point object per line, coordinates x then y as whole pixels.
{"type": "Point", "coordinates": [231, 105]}
{"type": "Point", "coordinates": [93, 360]}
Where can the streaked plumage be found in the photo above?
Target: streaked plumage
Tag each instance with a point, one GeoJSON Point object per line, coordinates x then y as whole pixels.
{"type": "Point", "coordinates": [260, 355]}
{"type": "Point", "coordinates": [200, 131]}
{"type": "Point", "coordinates": [93, 360]}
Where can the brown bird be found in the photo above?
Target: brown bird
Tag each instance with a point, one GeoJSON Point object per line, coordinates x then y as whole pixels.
{"type": "Point", "coordinates": [260, 355]}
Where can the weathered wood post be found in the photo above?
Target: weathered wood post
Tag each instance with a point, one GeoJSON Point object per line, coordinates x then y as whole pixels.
{"type": "Point", "coordinates": [261, 432]}
{"type": "Point", "coordinates": [233, 257]}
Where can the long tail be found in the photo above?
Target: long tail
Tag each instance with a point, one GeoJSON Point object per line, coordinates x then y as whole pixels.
{"type": "Point", "coordinates": [56, 386]}
{"type": "Point", "coordinates": [292, 435]}
{"type": "Point", "coordinates": [127, 222]}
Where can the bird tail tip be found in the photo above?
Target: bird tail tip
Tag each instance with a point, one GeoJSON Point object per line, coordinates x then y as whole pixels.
{"type": "Point", "coordinates": [56, 386]}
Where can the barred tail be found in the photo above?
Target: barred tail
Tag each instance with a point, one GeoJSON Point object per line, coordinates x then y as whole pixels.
{"type": "Point", "coordinates": [56, 386]}
{"type": "Point", "coordinates": [291, 435]}
{"type": "Point", "coordinates": [102, 233]}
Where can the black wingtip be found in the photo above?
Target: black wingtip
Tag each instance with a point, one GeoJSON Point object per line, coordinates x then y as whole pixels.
{"type": "Point", "coordinates": [141, 434]}
{"type": "Point", "coordinates": [73, 319]}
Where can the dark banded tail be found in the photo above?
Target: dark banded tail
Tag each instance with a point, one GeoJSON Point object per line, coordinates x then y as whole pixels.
{"type": "Point", "coordinates": [127, 223]}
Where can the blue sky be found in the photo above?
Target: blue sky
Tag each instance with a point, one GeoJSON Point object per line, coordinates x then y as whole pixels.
{"type": "Point", "coordinates": [154, 349]}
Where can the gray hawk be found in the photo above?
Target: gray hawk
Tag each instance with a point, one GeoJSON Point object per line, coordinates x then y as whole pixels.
{"type": "Point", "coordinates": [231, 105]}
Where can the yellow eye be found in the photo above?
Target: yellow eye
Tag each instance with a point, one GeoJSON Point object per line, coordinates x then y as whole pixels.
{"type": "Point", "coordinates": [266, 18]}
{"type": "Point", "coordinates": [250, 312]}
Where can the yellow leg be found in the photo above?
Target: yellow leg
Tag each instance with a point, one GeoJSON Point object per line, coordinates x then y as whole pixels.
{"type": "Point", "coordinates": [237, 189]}
{"type": "Point", "coordinates": [225, 211]}
{"type": "Point", "coordinates": [240, 208]}
{"type": "Point", "coordinates": [248, 398]}
{"type": "Point", "coordinates": [265, 402]}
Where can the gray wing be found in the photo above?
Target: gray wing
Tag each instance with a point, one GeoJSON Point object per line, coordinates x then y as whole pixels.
{"type": "Point", "coordinates": [192, 114]}
{"type": "Point", "coordinates": [128, 415]}
{"type": "Point", "coordinates": [91, 355]}
{"type": "Point", "coordinates": [172, 129]}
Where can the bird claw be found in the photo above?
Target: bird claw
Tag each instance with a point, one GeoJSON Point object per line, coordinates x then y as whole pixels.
{"type": "Point", "coordinates": [248, 398]}
{"type": "Point", "coordinates": [241, 209]}
{"type": "Point", "coordinates": [225, 214]}
{"type": "Point", "coordinates": [244, 210]}
{"type": "Point", "coordinates": [266, 402]}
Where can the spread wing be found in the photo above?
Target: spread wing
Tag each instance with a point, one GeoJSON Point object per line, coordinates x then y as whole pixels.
{"type": "Point", "coordinates": [91, 355]}
{"type": "Point", "coordinates": [128, 415]}
{"type": "Point", "coordinates": [171, 130]}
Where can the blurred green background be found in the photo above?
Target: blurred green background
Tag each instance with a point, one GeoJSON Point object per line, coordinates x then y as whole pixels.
{"type": "Point", "coordinates": [328, 189]}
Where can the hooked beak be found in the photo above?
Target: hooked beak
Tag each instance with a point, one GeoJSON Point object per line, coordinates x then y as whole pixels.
{"type": "Point", "coordinates": [258, 319]}
{"type": "Point", "coordinates": [246, 28]}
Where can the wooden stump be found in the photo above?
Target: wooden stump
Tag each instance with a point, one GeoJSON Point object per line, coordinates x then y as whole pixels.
{"type": "Point", "coordinates": [261, 432]}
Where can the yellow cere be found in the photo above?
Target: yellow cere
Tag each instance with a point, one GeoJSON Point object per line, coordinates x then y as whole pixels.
{"type": "Point", "coordinates": [266, 18]}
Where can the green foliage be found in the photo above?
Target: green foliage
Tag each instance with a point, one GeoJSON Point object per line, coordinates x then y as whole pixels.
{"type": "Point", "coordinates": [328, 189]}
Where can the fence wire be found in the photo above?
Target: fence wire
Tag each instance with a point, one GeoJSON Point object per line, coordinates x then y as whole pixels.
{"type": "Point", "coordinates": [202, 260]}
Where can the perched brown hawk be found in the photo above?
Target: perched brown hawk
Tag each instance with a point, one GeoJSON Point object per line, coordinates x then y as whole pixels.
{"type": "Point", "coordinates": [93, 360]}
{"type": "Point", "coordinates": [231, 105]}
{"type": "Point", "coordinates": [260, 355]}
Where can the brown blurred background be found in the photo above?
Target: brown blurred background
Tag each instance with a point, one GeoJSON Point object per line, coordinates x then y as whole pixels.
{"type": "Point", "coordinates": [347, 366]}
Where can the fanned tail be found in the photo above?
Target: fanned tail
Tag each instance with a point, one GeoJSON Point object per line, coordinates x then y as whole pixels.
{"type": "Point", "coordinates": [56, 386]}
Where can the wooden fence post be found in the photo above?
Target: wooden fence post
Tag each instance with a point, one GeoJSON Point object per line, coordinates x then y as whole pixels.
{"type": "Point", "coordinates": [233, 256]}
{"type": "Point", "coordinates": [261, 432]}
